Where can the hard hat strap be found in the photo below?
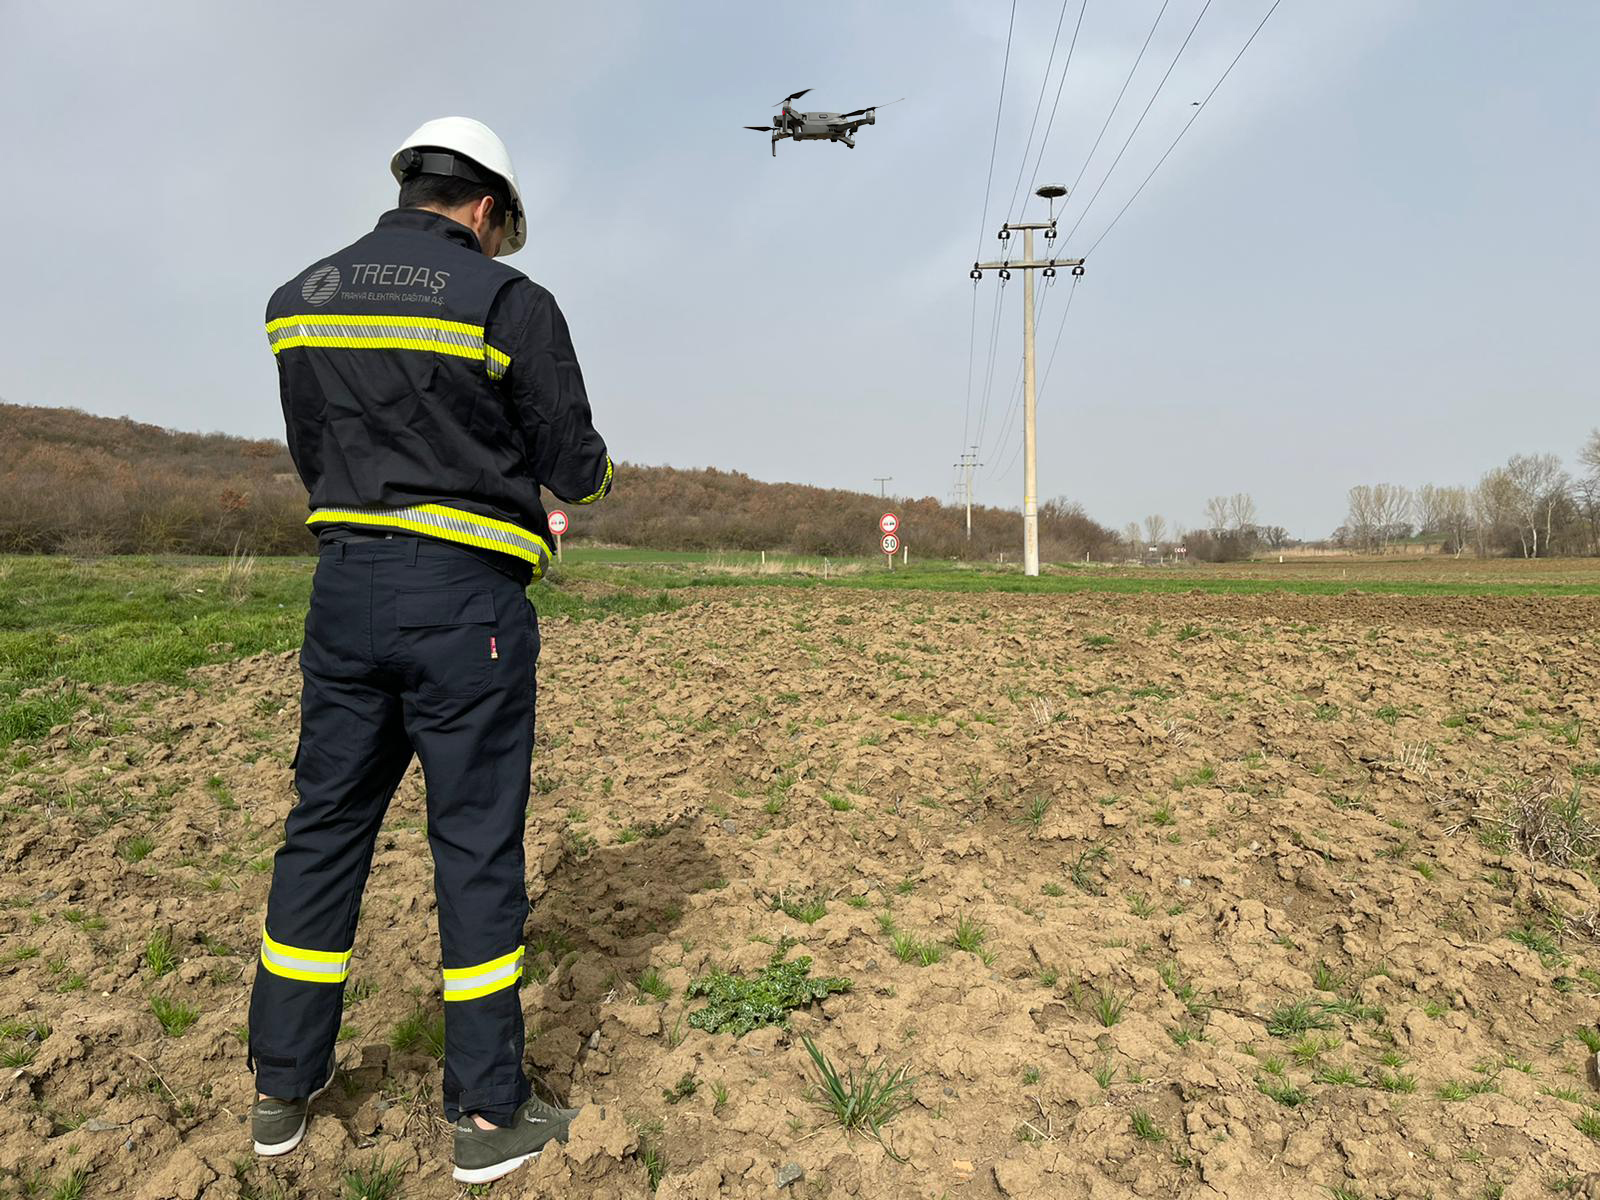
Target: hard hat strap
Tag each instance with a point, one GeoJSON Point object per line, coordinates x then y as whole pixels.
{"type": "Point", "coordinates": [442, 162]}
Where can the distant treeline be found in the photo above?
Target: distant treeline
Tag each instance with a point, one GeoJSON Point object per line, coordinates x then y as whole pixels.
{"type": "Point", "coordinates": [81, 484]}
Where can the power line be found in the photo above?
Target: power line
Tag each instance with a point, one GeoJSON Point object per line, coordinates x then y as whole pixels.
{"type": "Point", "coordinates": [1073, 291]}
{"type": "Point", "coordinates": [1185, 128]}
{"type": "Point", "coordinates": [1008, 424]}
{"type": "Point", "coordinates": [983, 223]}
{"type": "Point", "coordinates": [1131, 133]}
{"type": "Point", "coordinates": [994, 145]}
{"type": "Point", "coordinates": [972, 339]}
{"type": "Point", "coordinates": [1056, 104]}
{"type": "Point", "coordinates": [1038, 104]}
{"type": "Point", "coordinates": [994, 346]}
{"type": "Point", "coordinates": [1116, 103]}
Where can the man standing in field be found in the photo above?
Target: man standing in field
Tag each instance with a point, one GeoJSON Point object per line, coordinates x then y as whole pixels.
{"type": "Point", "coordinates": [428, 392]}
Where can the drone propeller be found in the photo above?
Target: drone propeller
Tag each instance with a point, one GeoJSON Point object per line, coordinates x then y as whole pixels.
{"type": "Point", "coordinates": [760, 128]}
{"type": "Point", "coordinates": [858, 112]}
{"type": "Point", "coordinates": [796, 96]}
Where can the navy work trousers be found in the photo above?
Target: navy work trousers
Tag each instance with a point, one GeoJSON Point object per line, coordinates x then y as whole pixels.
{"type": "Point", "coordinates": [411, 646]}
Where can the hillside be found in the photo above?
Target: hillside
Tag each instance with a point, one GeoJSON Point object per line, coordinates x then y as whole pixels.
{"type": "Point", "coordinates": [82, 484]}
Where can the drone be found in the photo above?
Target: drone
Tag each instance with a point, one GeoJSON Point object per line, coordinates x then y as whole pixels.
{"type": "Point", "coordinates": [817, 126]}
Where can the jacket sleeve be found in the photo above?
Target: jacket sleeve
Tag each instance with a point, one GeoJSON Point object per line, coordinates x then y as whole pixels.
{"type": "Point", "coordinates": [545, 385]}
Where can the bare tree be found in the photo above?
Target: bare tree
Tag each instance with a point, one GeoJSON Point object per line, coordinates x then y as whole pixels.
{"type": "Point", "coordinates": [1241, 511]}
{"type": "Point", "coordinates": [1455, 516]}
{"type": "Point", "coordinates": [1537, 486]}
{"type": "Point", "coordinates": [1134, 539]}
{"type": "Point", "coordinates": [1217, 516]}
{"type": "Point", "coordinates": [1394, 507]}
{"type": "Point", "coordinates": [1494, 509]}
{"type": "Point", "coordinates": [1589, 456]}
{"type": "Point", "coordinates": [1586, 497]}
{"type": "Point", "coordinates": [1361, 521]}
{"type": "Point", "coordinates": [1379, 513]}
{"type": "Point", "coordinates": [1155, 530]}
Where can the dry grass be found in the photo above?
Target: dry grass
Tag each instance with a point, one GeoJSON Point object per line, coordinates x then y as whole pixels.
{"type": "Point", "coordinates": [238, 572]}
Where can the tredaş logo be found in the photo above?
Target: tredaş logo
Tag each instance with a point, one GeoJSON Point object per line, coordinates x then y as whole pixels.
{"type": "Point", "coordinates": [320, 284]}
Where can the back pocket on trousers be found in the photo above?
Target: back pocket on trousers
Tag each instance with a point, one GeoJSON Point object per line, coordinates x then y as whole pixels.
{"type": "Point", "coordinates": [449, 636]}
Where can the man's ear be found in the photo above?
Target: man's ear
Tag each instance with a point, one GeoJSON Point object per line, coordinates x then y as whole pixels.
{"type": "Point", "coordinates": [483, 210]}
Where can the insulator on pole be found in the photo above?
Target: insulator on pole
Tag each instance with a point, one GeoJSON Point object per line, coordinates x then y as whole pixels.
{"type": "Point", "coordinates": [1004, 235]}
{"type": "Point", "coordinates": [1004, 274]}
{"type": "Point", "coordinates": [975, 273]}
{"type": "Point", "coordinates": [1078, 270]}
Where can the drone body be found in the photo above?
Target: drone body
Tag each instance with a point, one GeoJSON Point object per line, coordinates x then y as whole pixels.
{"type": "Point", "coordinates": [815, 126]}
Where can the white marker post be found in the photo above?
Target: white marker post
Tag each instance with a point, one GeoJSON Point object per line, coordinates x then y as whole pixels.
{"type": "Point", "coordinates": [558, 526]}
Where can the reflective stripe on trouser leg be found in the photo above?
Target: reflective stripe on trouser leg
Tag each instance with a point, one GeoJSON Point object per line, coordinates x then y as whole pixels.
{"type": "Point", "coordinates": [470, 983]}
{"type": "Point", "coordinates": [308, 966]}
{"type": "Point", "coordinates": [353, 752]}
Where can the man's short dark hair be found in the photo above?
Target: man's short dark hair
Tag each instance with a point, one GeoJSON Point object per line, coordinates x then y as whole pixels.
{"type": "Point", "coordinates": [450, 191]}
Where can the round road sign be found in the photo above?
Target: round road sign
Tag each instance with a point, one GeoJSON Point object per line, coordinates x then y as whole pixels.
{"type": "Point", "coordinates": [890, 543]}
{"type": "Point", "coordinates": [558, 522]}
{"type": "Point", "coordinates": [888, 523]}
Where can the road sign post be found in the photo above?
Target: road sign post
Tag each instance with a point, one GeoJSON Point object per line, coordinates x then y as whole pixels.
{"type": "Point", "coordinates": [889, 526]}
{"type": "Point", "coordinates": [891, 545]}
{"type": "Point", "coordinates": [558, 526]}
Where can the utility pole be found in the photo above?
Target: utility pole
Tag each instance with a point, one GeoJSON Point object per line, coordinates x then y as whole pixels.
{"type": "Point", "coordinates": [1028, 265]}
{"type": "Point", "coordinates": [967, 463]}
{"type": "Point", "coordinates": [880, 480]}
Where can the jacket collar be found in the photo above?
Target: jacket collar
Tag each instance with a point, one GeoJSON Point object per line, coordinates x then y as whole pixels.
{"type": "Point", "coordinates": [430, 222]}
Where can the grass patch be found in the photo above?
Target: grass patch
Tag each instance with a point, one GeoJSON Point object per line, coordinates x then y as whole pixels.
{"type": "Point", "coordinates": [1291, 1020]}
{"type": "Point", "coordinates": [1145, 1127]}
{"type": "Point", "coordinates": [865, 1102]}
{"type": "Point", "coordinates": [420, 1031]}
{"type": "Point", "coordinates": [651, 984]}
{"type": "Point", "coordinates": [159, 953]}
{"type": "Point", "coordinates": [910, 948]}
{"type": "Point", "coordinates": [375, 1180]}
{"type": "Point", "coordinates": [175, 1015]}
{"type": "Point", "coordinates": [1109, 1007]}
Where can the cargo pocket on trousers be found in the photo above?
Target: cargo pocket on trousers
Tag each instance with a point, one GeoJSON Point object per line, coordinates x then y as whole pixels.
{"type": "Point", "coordinates": [449, 636]}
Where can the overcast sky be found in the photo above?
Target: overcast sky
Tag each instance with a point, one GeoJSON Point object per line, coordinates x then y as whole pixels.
{"type": "Point", "coordinates": [1370, 259]}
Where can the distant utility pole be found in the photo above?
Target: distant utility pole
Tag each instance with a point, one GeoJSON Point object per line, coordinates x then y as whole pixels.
{"type": "Point", "coordinates": [880, 480]}
{"type": "Point", "coordinates": [1028, 265]}
{"type": "Point", "coordinates": [967, 463]}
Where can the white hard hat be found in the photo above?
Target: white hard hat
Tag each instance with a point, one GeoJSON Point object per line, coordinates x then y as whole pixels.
{"type": "Point", "coordinates": [465, 138]}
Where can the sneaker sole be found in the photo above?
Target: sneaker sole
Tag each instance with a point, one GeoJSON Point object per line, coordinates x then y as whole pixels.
{"type": "Point", "coordinates": [490, 1174]}
{"type": "Point", "coordinates": [273, 1149]}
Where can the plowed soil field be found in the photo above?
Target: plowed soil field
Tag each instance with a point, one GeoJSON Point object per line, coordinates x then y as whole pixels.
{"type": "Point", "coordinates": [1168, 896]}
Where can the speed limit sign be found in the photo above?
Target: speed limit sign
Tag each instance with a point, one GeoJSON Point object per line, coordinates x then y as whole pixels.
{"type": "Point", "coordinates": [558, 522]}
{"type": "Point", "coordinates": [891, 544]}
{"type": "Point", "coordinates": [888, 523]}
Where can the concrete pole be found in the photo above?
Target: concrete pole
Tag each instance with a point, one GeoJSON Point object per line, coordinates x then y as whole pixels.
{"type": "Point", "coordinates": [1030, 466]}
{"type": "Point", "coordinates": [969, 495]}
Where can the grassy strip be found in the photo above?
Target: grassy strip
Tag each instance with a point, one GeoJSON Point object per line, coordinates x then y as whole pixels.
{"type": "Point", "coordinates": [122, 621]}
{"type": "Point", "coordinates": [1063, 580]}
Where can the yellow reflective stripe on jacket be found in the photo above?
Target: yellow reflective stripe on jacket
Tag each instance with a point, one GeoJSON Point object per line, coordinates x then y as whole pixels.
{"type": "Point", "coordinates": [450, 524]}
{"type": "Point", "coordinates": [605, 485]}
{"type": "Point", "coordinates": [497, 362]}
{"type": "Point", "coordinates": [359, 332]}
{"type": "Point", "coordinates": [468, 983]}
{"type": "Point", "coordinates": [308, 966]}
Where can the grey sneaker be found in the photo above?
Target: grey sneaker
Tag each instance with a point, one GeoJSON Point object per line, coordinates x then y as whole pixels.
{"type": "Point", "coordinates": [483, 1155]}
{"type": "Point", "coordinates": [278, 1125]}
